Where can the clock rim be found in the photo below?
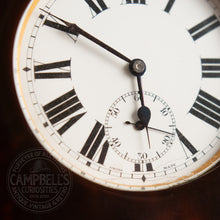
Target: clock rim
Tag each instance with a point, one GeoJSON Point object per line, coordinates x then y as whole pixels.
{"type": "Point", "coordinates": [200, 171]}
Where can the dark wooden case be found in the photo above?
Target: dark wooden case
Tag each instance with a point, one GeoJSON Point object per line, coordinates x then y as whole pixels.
{"type": "Point", "coordinates": [197, 200]}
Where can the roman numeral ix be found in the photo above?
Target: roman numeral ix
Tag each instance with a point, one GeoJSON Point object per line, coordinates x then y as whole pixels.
{"type": "Point", "coordinates": [54, 70]}
{"type": "Point", "coordinates": [94, 146]}
{"type": "Point", "coordinates": [204, 27]}
{"type": "Point", "coordinates": [210, 68]}
{"type": "Point", "coordinates": [59, 109]}
{"type": "Point", "coordinates": [207, 108]}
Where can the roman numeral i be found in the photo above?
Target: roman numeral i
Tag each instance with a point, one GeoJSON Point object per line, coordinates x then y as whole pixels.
{"type": "Point", "coordinates": [207, 108]}
{"type": "Point", "coordinates": [186, 143]}
{"type": "Point", "coordinates": [169, 6]}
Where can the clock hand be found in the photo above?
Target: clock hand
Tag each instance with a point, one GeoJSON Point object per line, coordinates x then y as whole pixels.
{"type": "Point", "coordinates": [139, 126]}
{"type": "Point", "coordinates": [144, 115]}
{"type": "Point", "coordinates": [137, 68]}
{"type": "Point", "coordinates": [76, 30]}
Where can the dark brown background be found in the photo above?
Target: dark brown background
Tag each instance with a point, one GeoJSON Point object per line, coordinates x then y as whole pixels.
{"type": "Point", "coordinates": [199, 200]}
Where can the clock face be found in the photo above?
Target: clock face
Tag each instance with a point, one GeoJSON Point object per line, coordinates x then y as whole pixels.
{"type": "Point", "coordinates": [126, 129]}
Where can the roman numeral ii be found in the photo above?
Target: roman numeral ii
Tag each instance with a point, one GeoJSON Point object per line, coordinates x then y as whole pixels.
{"type": "Point", "coordinates": [204, 27]}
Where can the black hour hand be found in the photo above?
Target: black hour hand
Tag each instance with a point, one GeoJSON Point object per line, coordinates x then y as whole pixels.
{"type": "Point", "coordinates": [144, 114]}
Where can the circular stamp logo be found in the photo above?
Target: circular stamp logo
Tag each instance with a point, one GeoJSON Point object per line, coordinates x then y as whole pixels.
{"type": "Point", "coordinates": [37, 182]}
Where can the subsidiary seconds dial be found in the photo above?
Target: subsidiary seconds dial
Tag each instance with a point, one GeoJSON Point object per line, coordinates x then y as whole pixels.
{"type": "Point", "coordinates": [127, 135]}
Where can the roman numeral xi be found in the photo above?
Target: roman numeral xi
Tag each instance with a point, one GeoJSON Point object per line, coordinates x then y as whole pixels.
{"type": "Point", "coordinates": [207, 108]}
{"type": "Point", "coordinates": [60, 110]}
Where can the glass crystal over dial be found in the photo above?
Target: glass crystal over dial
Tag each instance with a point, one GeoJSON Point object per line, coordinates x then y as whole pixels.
{"type": "Point", "coordinates": [72, 59]}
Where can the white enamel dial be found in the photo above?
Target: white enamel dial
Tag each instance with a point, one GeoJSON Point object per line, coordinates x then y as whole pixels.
{"type": "Point", "coordinates": [72, 65]}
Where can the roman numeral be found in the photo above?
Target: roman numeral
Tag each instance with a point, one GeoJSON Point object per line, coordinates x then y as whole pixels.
{"type": "Point", "coordinates": [142, 167]}
{"type": "Point", "coordinates": [60, 109]}
{"type": "Point", "coordinates": [135, 2]}
{"type": "Point", "coordinates": [185, 142]}
{"type": "Point", "coordinates": [93, 144]}
{"type": "Point", "coordinates": [96, 8]}
{"type": "Point", "coordinates": [169, 6]}
{"type": "Point", "coordinates": [54, 70]}
{"type": "Point", "coordinates": [211, 68]}
{"type": "Point", "coordinates": [207, 108]}
{"type": "Point", "coordinates": [56, 25]}
{"type": "Point", "coordinates": [204, 27]}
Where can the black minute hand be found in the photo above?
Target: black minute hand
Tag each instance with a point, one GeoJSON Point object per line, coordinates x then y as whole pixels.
{"type": "Point", "coordinates": [76, 30]}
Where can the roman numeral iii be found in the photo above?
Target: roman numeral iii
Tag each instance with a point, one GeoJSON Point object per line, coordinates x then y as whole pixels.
{"type": "Point", "coordinates": [204, 27]}
{"type": "Point", "coordinates": [210, 68]}
{"type": "Point", "coordinates": [60, 109]}
{"type": "Point", "coordinates": [96, 7]}
{"type": "Point", "coordinates": [94, 146]}
{"type": "Point", "coordinates": [54, 70]}
{"type": "Point", "coordinates": [207, 108]}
